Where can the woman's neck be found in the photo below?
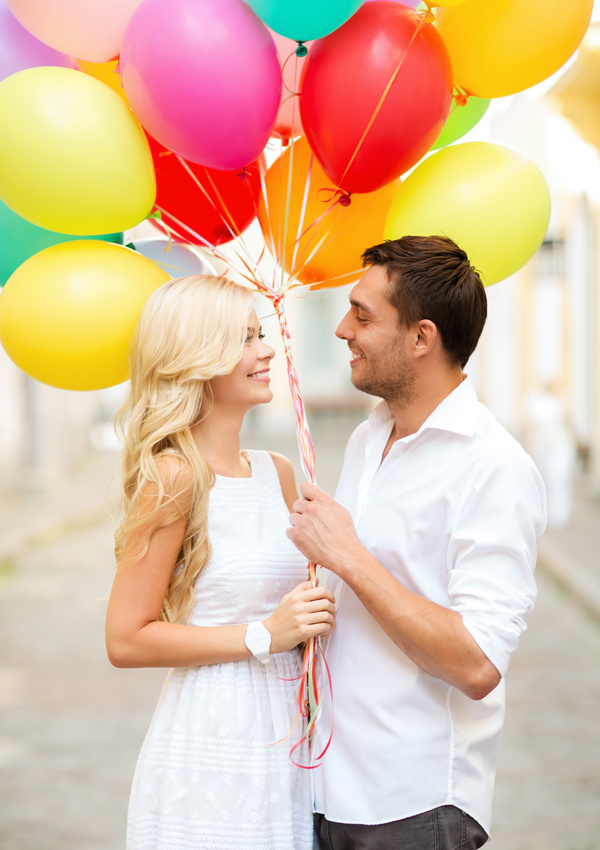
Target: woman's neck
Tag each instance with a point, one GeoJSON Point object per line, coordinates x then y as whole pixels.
{"type": "Point", "coordinates": [218, 440]}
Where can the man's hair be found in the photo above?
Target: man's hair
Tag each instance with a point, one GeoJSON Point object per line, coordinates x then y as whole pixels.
{"type": "Point", "coordinates": [432, 278]}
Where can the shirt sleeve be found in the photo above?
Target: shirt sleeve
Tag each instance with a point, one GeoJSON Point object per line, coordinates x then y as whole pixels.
{"type": "Point", "coordinates": [493, 552]}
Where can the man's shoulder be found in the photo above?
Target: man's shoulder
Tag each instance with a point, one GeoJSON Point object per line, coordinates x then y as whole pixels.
{"type": "Point", "coordinates": [495, 445]}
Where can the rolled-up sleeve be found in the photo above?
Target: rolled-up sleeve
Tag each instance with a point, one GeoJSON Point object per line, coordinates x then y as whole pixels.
{"type": "Point", "coordinates": [492, 553]}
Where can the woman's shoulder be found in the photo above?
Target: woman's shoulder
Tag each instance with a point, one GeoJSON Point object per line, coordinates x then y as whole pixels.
{"type": "Point", "coordinates": [287, 477]}
{"type": "Point", "coordinates": [175, 473]}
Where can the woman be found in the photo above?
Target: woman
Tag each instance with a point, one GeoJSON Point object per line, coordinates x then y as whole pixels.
{"type": "Point", "coordinates": [208, 583]}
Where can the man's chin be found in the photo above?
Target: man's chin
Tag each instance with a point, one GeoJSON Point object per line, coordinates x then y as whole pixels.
{"type": "Point", "coordinates": [362, 385]}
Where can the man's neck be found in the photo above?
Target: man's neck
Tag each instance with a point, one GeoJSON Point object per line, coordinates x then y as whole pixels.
{"type": "Point", "coordinates": [428, 394]}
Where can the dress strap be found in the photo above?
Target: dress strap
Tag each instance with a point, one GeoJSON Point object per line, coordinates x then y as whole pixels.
{"type": "Point", "coordinates": [262, 464]}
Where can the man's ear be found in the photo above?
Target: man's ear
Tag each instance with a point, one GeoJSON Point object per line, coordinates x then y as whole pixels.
{"type": "Point", "coordinates": [426, 337]}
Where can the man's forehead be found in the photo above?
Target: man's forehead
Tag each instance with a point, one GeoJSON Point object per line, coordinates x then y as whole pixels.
{"type": "Point", "coordinates": [371, 291]}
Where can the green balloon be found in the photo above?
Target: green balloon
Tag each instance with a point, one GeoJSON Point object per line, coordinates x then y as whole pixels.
{"type": "Point", "coordinates": [304, 20]}
{"type": "Point", "coordinates": [20, 240]}
{"type": "Point", "coordinates": [460, 120]}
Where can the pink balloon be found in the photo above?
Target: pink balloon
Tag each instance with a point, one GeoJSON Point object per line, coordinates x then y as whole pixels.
{"type": "Point", "coordinates": [88, 29]}
{"type": "Point", "coordinates": [203, 78]}
{"type": "Point", "coordinates": [414, 4]}
{"type": "Point", "coordinates": [288, 123]}
{"type": "Point", "coordinates": [20, 50]}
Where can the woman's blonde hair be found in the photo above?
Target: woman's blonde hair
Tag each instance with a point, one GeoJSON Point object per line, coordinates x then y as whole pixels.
{"type": "Point", "coordinates": [190, 330]}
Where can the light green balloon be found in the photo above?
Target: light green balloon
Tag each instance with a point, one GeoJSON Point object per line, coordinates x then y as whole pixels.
{"type": "Point", "coordinates": [304, 20]}
{"type": "Point", "coordinates": [21, 239]}
{"type": "Point", "coordinates": [460, 120]}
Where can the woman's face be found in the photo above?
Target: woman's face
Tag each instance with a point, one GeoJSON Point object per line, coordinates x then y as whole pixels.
{"type": "Point", "coordinates": [249, 383]}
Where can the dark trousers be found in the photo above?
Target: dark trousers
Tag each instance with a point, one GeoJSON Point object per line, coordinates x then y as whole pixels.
{"type": "Point", "coordinates": [444, 828]}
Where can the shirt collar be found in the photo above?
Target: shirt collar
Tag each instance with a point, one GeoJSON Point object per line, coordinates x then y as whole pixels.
{"type": "Point", "coordinates": [457, 413]}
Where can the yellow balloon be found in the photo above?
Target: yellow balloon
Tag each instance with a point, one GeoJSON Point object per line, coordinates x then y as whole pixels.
{"type": "Point", "coordinates": [490, 198]}
{"type": "Point", "coordinates": [73, 157]}
{"type": "Point", "coordinates": [500, 47]}
{"type": "Point", "coordinates": [67, 314]}
{"type": "Point", "coordinates": [310, 233]}
{"type": "Point", "coordinates": [106, 72]}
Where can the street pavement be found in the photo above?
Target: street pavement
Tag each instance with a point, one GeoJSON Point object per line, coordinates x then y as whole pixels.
{"type": "Point", "coordinates": [71, 725]}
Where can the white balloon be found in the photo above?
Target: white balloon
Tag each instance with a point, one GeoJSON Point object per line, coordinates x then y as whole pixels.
{"type": "Point", "coordinates": [176, 259]}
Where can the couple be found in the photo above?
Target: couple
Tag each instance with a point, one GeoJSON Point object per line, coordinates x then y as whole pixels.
{"type": "Point", "coordinates": [430, 546]}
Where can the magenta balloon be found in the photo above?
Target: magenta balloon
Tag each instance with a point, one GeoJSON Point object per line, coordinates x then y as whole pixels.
{"type": "Point", "coordinates": [203, 78]}
{"type": "Point", "coordinates": [20, 50]}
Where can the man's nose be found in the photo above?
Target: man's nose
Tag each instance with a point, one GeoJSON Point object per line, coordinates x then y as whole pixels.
{"type": "Point", "coordinates": [342, 331]}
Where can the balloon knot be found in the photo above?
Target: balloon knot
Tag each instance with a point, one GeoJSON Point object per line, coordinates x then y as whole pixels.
{"type": "Point", "coordinates": [243, 176]}
{"type": "Point", "coordinates": [426, 16]}
{"type": "Point", "coordinates": [301, 50]}
{"type": "Point", "coordinates": [461, 99]}
{"type": "Point", "coordinates": [328, 194]}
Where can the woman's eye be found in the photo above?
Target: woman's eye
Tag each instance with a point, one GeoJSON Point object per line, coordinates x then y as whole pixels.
{"type": "Point", "coordinates": [262, 336]}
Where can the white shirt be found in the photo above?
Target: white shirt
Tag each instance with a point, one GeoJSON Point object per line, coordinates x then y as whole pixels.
{"type": "Point", "coordinates": [454, 512]}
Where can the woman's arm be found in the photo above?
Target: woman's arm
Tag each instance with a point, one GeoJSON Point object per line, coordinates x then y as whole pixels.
{"type": "Point", "coordinates": [135, 637]}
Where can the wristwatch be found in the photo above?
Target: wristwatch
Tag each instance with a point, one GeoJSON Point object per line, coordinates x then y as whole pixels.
{"type": "Point", "coordinates": [258, 641]}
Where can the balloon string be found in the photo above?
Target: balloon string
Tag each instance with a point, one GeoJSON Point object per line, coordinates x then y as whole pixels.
{"type": "Point", "coordinates": [305, 443]}
{"type": "Point", "coordinates": [229, 222]}
{"type": "Point", "coordinates": [256, 277]}
{"type": "Point", "coordinates": [292, 54]}
{"type": "Point", "coordinates": [288, 202]}
{"type": "Point", "coordinates": [269, 234]}
{"type": "Point", "coordinates": [310, 702]}
{"type": "Point", "coordinates": [303, 208]}
{"type": "Point", "coordinates": [421, 21]}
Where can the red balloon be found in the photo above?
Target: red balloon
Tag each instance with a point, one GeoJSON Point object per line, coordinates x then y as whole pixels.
{"type": "Point", "coordinates": [182, 198]}
{"type": "Point", "coordinates": [375, 95]}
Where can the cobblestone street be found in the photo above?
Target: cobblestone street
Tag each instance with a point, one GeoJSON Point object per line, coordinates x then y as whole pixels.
{"type": "Point", "coordinates": [71, 725]}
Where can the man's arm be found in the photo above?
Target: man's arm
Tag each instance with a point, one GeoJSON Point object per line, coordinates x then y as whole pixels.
{"type": "Point", "coordinates": [432, 636]}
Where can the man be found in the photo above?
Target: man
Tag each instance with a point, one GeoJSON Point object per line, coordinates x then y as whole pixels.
{"type": "Point", "coordinates": [432, 542]}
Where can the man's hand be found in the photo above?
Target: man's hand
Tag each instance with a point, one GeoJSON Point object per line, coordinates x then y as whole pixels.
{"type": "Point", "coordinates": [323, 530]}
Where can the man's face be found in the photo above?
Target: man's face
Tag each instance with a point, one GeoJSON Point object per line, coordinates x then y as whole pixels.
{"type": "Point", "coordinates": [380, 362]}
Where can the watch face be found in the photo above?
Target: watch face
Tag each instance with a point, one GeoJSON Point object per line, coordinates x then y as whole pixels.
{"type": "Point", "coordinates": [258, 640]}
{"type": "Point", "coordinates": [261, 638]}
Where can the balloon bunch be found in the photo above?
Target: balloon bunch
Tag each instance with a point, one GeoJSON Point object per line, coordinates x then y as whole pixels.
{"type": "Point", "coordinates": [118, 111]}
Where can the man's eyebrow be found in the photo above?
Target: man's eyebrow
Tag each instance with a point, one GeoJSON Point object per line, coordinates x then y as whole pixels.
{"type": "Point", "coordinates": [360, 305]}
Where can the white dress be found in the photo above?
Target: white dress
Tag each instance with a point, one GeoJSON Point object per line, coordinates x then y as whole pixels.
{"type": "Point", "coordinates": [210, 775]}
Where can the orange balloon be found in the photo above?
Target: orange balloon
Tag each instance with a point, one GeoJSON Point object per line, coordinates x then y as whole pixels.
{"type": "Point", "coordinates": [106, 72]}
{"type": "Point", "coordinates": [307, 228]}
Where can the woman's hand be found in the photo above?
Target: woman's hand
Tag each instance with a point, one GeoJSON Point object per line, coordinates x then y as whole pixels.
{"type": "Point", "coordinates": [304, 612]}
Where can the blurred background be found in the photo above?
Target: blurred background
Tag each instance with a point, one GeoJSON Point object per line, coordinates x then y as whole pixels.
{"type": "Point", "coordinates": [71, 726]}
